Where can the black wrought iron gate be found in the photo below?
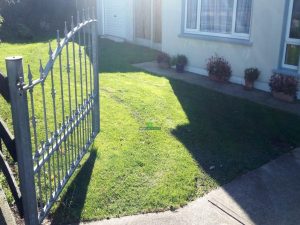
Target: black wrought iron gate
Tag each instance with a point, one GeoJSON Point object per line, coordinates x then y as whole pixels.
{"type": "Point", "coordinates": [56, 114]}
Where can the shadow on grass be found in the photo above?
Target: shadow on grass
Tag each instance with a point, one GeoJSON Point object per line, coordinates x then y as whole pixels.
{"type": "Point", "coordinates": [35, 39]}
{"type": "Point", "coordinates": [228, 137]}
{"type": "Point", "coordinates": [72, 203]}
{"type": "Point", "coordinates": [119, 57]}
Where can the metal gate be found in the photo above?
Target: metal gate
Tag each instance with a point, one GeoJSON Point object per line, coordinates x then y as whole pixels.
{"type": "Point", "coordinates": [55, 114]}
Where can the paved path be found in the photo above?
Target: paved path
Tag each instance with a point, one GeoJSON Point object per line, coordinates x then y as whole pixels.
{"type": "Point", "coordinates": [6, 215]}
{"type": "Point", "coordinates": [257, 96]}
{"type": "Point", "coordinates": [269, 195]}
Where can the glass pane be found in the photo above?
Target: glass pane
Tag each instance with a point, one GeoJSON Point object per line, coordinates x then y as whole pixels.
{"type": "Point", "coordinates": [295, 23]}
{"type": "Point", "coordinates": [243, 16]}
{"type": "Point", "coordinates": [292, 55]}
{"type": "Point", "coordinates": [216, 16]}
{"type": "Point", "coordinates": [191, 17]}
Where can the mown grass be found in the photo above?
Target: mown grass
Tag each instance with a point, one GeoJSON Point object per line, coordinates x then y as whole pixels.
{"type": "Point", "coordinates": [205, 139]}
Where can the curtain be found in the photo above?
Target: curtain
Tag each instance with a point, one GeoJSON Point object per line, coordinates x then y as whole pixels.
{"type": "Point", "coordinates": [243, 15]}
{"type": "Point", "coordinates": [293, 50]}
{"type": "Point", "coordinates": [143, 19]}
{"type": "Point", "coordinates": [295, 23]}
{"type": "Point", "coordinates": [216, 16]}
{"type": "Point", "coordinates": [192, 8]}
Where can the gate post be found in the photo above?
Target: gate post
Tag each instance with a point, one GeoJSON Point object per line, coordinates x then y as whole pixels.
{"type": "Point", "coordinates": [96, 108]}
{"type": "Point", "coordinates": [20, 116]}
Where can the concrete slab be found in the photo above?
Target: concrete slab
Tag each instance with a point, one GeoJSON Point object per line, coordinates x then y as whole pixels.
{"type": "Point", "coordinates": [236, 90]}
{"type": "Point", "coordinates": [6, 215]}
{"type": "Point", "coordinates": [269, 195]}
{"type": "Point", "coordinates": [200, 211]}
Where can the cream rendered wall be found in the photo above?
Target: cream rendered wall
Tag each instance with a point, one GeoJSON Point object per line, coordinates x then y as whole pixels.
{"type": "Point", "coordinates": [266, 33]}
{"type": "Point", "coordinates": [130, 20]}
{"type": "Point", "coordinates": [100, 16]}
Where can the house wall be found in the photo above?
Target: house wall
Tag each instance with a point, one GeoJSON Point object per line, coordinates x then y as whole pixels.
{"type": "Point", "coordinates": [262, 51]}
{"type": "Point", "coordinates": [130, 20]}
{"type": "Point", "coordinates": [99, 16]}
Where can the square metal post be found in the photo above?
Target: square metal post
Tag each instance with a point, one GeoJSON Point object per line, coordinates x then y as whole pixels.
{"type": "Point", "coordinates": [299, 65]}
{"type": "Point", "coordinates": [96, 108]}
{"type": "Point", "coordinates": [20, 115]}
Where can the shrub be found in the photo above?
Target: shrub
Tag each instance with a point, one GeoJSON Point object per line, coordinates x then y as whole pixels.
{"type": "Point", "coordinates": [163, 58]}
{"type": "Point", "coordinates": [1, 21]}
{"type": "Point", "coordinates": [219, 68]}
{"type": "Point", "coordinates": [173, 61]}
{"type": "Point", "coordinates": [282, 83]}
{"type": "Point", "coordinates": [252, 74]}
{"type": "Point", "coordinates": [181, 60]}
{"type": "Point", "coordinates": [42, 17]}
{"type": "Point", "coordinates": [24, 32]}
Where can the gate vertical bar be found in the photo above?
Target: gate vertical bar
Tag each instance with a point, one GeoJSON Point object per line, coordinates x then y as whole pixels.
{"type": "Point", "coordinates": [96, 109]}
{"type": "Point", "coordinates": [20, 116]}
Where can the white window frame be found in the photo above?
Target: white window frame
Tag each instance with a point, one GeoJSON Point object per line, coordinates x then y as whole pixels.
{"type": "Point", "coordinates": [233, 34]}
{"type": "Point", "coordinates": [288, 40]}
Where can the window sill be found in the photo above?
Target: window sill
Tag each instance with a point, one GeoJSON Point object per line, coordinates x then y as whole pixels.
{"type": "Point", "coordinates": [288, 72]}
{"type": "Point", "coordinates": [218, 39]}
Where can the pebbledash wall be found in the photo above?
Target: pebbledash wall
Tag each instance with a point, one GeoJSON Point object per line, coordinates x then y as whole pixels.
{"type": "Point", "coordinates": [262, 50]}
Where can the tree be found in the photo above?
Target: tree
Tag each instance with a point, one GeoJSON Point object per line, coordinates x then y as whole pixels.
{"type": "Point", "coordinates": [2, 4]}
{"type": "Point", "coordinates": [1, 21]}
{"type": "Point", "coordinates": [26, 19]}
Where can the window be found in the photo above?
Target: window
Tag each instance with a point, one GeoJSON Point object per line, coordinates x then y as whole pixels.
{"type": "Point", "coordinates": [292, 40]}
{"type": "Point", "coordinates": [224, 18]}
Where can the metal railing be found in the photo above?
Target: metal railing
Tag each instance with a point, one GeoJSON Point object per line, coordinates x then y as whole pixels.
{"type": "Point", "coordinates": [56, 116]}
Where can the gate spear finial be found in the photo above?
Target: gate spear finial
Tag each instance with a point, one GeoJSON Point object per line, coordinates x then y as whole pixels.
{"type": "Point", "coordinates": [88, 14]}
{"type": "Point", "coordinates": [93, 13]}
{"type": "Point", "coordinates": [66, 29]}
{"type": "Point", "coordinates": [72, 24]}
{"type": "Point", "coordinates": [78, 18]}
{"type": "Point", "coordinates": [29, 75]}
{"type": "Point", "coordinates": [83, 15]}
{"type": "Point", "coordinates": [41, 70]}
{"type": "Point", "coordinates": [50, 50]}
{"type": "Point", "coordinates": [58, 38]}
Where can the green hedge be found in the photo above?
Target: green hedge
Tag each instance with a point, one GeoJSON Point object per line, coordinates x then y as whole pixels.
{"type": "Point", "coordinates": [31, 19]}
{"type": "Point", "coordinates": [1, 21]}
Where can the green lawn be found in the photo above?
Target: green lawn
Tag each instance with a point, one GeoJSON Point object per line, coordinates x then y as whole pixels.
{"type": "Point", "coordinates": [205, 139]}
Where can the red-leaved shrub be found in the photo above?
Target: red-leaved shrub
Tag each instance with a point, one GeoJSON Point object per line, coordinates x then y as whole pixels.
{"type": "Point", "coordinates": [285, 84]}
{"type": "Point", "coordinates": [218, 68]}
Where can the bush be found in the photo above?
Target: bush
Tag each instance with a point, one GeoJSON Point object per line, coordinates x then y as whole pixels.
{"type": "Point", "coordinates": [219, 68]}
{"type": "Point", "coordinates": [163, 58]}
{"type": "Point", "coordinates": [180, 60]}
{"type": "Point", "coordinates": [252, 74]}
{"type": "Point", "coordinates": [1, 21]}
{"type": "Point", "coordinates": [173, 61]}
{"type": "Point", "coordinates": [41, 18]}
{"type": "Point", "coordinates": [285, 84]}
{"type": "Point", "coordinates": [24, 32]}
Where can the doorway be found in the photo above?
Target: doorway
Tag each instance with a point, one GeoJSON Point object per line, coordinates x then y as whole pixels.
{"type": "Point", "coordinates": [148, 23]}
{"type": "Point", "coordinates": [115, 18]}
